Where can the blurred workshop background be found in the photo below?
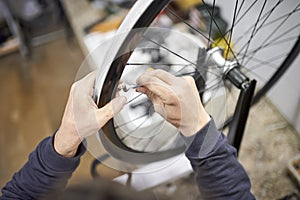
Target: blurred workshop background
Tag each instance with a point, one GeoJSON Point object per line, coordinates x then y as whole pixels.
{"type": "Point", "coordinates": [42, 45]}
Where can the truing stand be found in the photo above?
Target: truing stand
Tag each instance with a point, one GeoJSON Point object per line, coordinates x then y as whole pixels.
{"type": "Point", "coordinates": [232, 72]}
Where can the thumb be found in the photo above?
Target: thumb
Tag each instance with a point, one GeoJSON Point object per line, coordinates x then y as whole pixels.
{"type": "Point", "coordinates": [110, 110]}
{"type": "Point", "coordinates": [117, 104]}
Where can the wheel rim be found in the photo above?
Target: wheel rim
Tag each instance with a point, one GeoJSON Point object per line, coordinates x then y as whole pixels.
{"type": "Point", "coordinates": [246, 55]}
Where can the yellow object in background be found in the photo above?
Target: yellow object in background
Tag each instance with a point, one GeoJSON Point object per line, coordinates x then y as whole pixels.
{"type": "Point", "coordinates": [187, 4]}
{"type": "Point", "coordinates": [220, 42]}
{"type": "Point", "coordinates": [108, 25]}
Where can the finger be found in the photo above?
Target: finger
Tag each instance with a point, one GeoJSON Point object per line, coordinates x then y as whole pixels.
{"type": "Point", "coordinates": [163, 75]}
{"type": "Point", "coordinates": [89, 79]}
{"type": "Point", "coordinates": [189, 79]}
{"type": "Point", "coordinates": [191, 83]}
{"type": "Point", "coordinates": [86, 84]}
{"type": "Point", "coordinates": [117, 94]}
{"type": "Point", "coordinates": [110, 110]}
{"type": "Point", "coordinates": [160, 109]}
{"type": "Point", "coordinates": [120, 84]}
{"type": "Point", "coordinates": [141, 90]}
{"type": "Point", "coordinates": [155, 85]}
{"type": "Point", "coordinates": [153, 97]}
{"type": "Point", "coordinates": [119, 88]}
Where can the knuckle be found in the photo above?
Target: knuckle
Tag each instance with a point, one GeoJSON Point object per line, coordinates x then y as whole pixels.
{"type": "Point", "coordinates": [157, 71]}
{"type": "Point", "coordinates": [143, 79]}
{"type": "Point", "coordinates": [189, 79]}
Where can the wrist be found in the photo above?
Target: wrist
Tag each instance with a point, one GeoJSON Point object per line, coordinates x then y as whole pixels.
{"type": "Point", "coordinates": [66, 143]}
{"type": "Point", "coordinates": [196, 126]}
{"type": "Point", "coordinates": [205, 119]}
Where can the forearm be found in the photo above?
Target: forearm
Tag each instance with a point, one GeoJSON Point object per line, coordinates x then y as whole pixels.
{"type": "Point", "coordinates": [44, 171]}
{"type": "Point", "coordinates": [218, 173]}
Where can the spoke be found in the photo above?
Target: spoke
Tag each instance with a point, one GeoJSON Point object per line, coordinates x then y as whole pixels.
{"type": "Point", "coordinates": [193, 64]}
{"type": "Point", "coordinates": [134, 98]}
{"type": "Point", "coordinates": [252, 34]}
{"type": "Point", "coordinates": [210, 26]}
{"type": "Point", "coordinates": [269, 14]}
{"type": "Point", "coordinates": [222, 34]}
{"type": "Point", "coordinates": [165, 48]}
{"type": "Point", "coordinates": [233, 22]}
{"type": "Point", "coordinates": [256, 74]}
{"type": "Point", "coordinates": [237, 21]}
{"type": "Point", "coordinates": [215, 89]}
{"type": "Point", "coordinates": [125, 123]}
{"type": "Point", "coordinates": [274, 39]}
{"type": "Point", "coordinates": [240, 8]}
{"type": "Point", "coordinates": [176, 54]}
{"type": "Point", "coordinates": [266, 15]}
{"type": "Point", "coordinates": [268, 62]}
{"type": "Point", "coordinates": [203, 70]}
{"type": "Point", "coordinates": [167, 64]}
{"type": "Point", "coordinates": [211, 87]}
{"type": "Point", "coordinates": [148, 143]}
{"type": "Point", "coordinates": [232, 95]}
{"type": "Point", "coordinates": [129, 134]}
{"type": "Point", "coordinates": [252, 52]}
{"type": "Point", "coordinates": [270, 45]}
{"type": "Point", "coordinates": [275, 31]}
{"type": "Point", "coordinates": [279, 18]}
{"type": "Point", "coordinates": [245, 13]}
{"type": "Point", "coordinates": [260, 61]}
{"type": "Point", "coordinates": [188, 74]}
{"type": "Point", "coordinates": [187, 24]}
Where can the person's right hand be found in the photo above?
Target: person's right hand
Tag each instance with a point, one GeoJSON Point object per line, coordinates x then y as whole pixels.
{"type": "Point", "coordinates": [176, 99]}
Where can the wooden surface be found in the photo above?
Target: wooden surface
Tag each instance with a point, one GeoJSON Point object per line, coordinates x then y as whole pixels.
{"type": "Point", "coordinates": [31, 109]}
{"type": "Point", "coordinates": [81, 14]}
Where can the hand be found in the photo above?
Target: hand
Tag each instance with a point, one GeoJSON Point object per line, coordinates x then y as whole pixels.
{"type": "Point", "coordinates": [176, 99]}
{"type": "Point", "coordinates": [82, 117]}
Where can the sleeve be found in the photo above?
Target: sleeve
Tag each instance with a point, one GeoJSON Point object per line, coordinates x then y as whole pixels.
{"type": "Point", "coordinates": [218, 173]}
{"type": "Point", "coordinates": [44, 171]}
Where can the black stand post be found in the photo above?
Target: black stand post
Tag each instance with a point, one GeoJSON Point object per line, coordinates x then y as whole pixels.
{"type": "Point", "coordinates": [238, 123]}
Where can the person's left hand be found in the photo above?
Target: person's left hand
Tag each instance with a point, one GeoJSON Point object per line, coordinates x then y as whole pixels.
{"type": "Point", "coordinates": [82, 117]}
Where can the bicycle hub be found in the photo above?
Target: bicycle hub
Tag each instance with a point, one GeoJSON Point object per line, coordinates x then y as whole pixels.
{"type": "Point", "coordinates": [229, 69]}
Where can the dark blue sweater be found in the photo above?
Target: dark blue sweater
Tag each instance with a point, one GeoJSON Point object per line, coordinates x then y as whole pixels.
{"type": "Point", "coordinates": [218, 173]}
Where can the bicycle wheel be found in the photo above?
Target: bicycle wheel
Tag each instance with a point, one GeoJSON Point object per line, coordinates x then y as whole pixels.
{"type": "Point", "coordinates": [262, 38]}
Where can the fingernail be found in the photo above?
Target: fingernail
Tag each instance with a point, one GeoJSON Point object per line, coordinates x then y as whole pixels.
{"type": "Point", "coordinates": [149, 69]}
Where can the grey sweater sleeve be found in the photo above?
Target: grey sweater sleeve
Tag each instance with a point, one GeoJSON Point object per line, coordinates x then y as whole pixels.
{"type": "Point", "coordinates": [218, 173]}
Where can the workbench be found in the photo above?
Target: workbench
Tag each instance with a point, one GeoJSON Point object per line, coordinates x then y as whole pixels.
{"type": "Point", "coordinates": [81, 13]}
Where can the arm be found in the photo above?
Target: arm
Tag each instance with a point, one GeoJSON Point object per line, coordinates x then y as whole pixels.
{"type": "Point", "coordinates": [44, 171]}
{"type": "Point", "coordinates": [54, 160]}
{"type": "Point", "coordinates": [218, 173]}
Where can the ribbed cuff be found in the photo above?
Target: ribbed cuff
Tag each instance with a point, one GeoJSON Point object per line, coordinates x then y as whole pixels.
{"type": "Point", "coordinates": [57, 162]}
{"type": "Point", "coordinates": [203, 142]}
